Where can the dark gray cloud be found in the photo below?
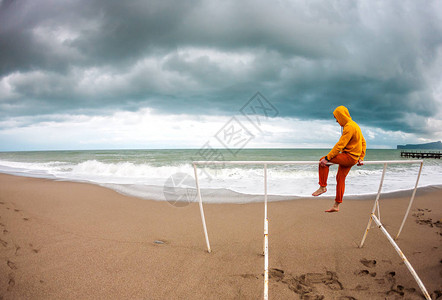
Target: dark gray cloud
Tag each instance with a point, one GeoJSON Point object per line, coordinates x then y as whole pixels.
{"type": "Point", "coordinates": [208, 57]}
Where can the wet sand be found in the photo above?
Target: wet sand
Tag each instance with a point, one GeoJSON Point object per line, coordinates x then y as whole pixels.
{"type": "Point", "coordinates": [65, 240]}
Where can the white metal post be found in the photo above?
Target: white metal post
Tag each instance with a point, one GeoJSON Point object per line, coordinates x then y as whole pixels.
{"type": "Point", "coordinates": [203, 219]}
{"type": "Point", "coordinates": [380, 190]}
{"type": "Point", "coordinates": [376, 205]}
{"type": "Point", "coordinates": [265, 191]}
{"type": "Point", "coordinates": [411, 201]}
{"type": "Point", "coordinates": [266, 239]}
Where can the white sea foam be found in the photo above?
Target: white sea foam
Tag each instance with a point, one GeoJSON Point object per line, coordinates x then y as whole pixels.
{"type": "Point", "coordinates": [146, 180]}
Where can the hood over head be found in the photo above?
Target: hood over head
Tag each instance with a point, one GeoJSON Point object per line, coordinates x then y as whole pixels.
{"type": "Point", "coordinates": [342, 115]}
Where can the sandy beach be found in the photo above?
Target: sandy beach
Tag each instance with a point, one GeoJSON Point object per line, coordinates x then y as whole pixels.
{"type": "Point", "coordinates": [65, 240]}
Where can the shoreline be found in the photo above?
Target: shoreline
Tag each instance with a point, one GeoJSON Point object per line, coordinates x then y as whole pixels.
{"type": "Point", "coordinates": [229, 194]}
{"type": "Point", "coordinates": [72, 240]}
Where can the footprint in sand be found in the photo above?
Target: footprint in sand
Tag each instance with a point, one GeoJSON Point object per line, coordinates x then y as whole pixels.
{"type": "Point", "coordinates": [4, 228]}
{"type": "Point", "coordinates": [427, 221]}
{"type": "Point", "coordinates": [295, 284]}
{"type": "Point", "coordinates": [421, 220]}
{"type": "Point", "coordinates": [401, 291]}
{"type": "Point", "coordinates": [11, 282]}
{"type": "Point", "coordinates": [277, 274]}
{"type": "Point", "coordinates": [304, 285]}
{"type": "Point", "coordinates": [3, 243]}
{"type": "Point", "coordinates": [390, 278]}
{"type": "Point", "coordinates": [249, 276]}
{"type": "Point", "coordinates": [33, 249]}
{"type": "Point", "coordinates": [12, 265]}
{"type": "Point", "coordinates": [390, 274]}
{"type": "Point", "coordinates": [364, 273]}
{"type": "Point", "coordinates": [369, 263]}
{"type": "Point", "coordinates": [330, 279]}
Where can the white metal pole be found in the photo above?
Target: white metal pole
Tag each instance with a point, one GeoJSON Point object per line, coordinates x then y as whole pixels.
{"type": "Point", "coordinates": [380, 190]}
{"type": "Point", "coordinates": [366, 232]}
{"type": "Point", "coordinates": [297, 162]}
{"type": "Point", "coordinates": [266, 260]}
{"type": "Point", "coordinates": [266, 239]}
{"type": "Point", "coordinates": [203, 219]}
{"type": "Point", "coordinates": [401, 254]}
{"type": "Point", "coordinates": [265, 191]}
{"type": "Point", "coordinates": [376, 205]}
{"type": "Point", "coordinates": [265, 208]}
{"type": "Point", "coordinates": [411, 201]}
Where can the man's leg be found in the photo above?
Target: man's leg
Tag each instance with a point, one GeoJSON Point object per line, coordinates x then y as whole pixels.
{"type": "Point", "coordinates": [323, 176]}
{"type": "Point", "coordinates": [340, 187]}
{"type": "Point", "coordinates": [340, 182]}
{"type": "Point", "coordinates": [345, 162]}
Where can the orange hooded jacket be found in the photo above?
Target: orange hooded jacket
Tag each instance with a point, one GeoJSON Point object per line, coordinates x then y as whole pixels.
{"type": "Point", "coordinates": [352, 141]}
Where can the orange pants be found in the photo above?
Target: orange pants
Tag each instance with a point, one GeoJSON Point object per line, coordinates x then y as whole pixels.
{"type": "Point", "coordinates": [345, 162]}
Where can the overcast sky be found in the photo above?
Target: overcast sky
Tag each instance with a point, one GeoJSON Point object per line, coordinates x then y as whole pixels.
{"type": "Point", "coordinates": [99, 74]}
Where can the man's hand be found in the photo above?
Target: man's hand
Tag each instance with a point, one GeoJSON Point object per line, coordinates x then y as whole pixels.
{"type": "Point", "coordinates": [323, 162]}
{"type": "Point", "coordinates": [360, 162]}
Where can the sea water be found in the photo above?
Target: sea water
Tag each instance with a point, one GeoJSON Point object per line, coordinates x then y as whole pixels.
{"type": "Point", "coordinates": [149, 174]}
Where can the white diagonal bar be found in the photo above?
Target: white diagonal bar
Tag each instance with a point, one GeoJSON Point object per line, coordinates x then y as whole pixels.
{"type": "Point", "coordinates": [203, 219]}
{"type": "Point", "coordinates": [401, 254]}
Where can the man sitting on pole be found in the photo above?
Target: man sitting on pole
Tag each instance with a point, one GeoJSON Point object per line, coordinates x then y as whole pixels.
{"type": "Point", "coordinates": [348, 151]}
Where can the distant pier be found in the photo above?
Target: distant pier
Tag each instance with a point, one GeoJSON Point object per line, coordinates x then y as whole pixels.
{"type": "Point", "coordinates": [421, 154]}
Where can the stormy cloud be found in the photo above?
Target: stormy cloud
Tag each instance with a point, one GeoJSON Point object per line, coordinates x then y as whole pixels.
{"type": "Point", "coordinates": [381, 59]}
